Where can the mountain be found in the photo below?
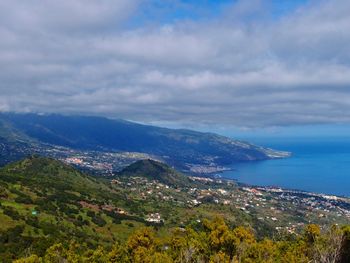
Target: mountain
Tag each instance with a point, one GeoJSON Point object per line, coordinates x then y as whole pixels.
{"type": "Point", "coordinates": [154, 170]}
{"type": "Point", "coordinates": [176, 146]}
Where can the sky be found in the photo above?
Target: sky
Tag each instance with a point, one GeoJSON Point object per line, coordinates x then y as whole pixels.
{"type": "Point", "coordinates": [221, 65]}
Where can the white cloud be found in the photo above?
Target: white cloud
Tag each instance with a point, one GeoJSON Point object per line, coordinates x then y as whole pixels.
{"type": "Point", "coordinates": [242, 68]}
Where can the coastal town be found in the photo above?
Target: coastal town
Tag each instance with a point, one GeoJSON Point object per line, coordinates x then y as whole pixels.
{"type": "Point", "coordinates": [100, 163]}
{"type": "Point", "coordinates": [284, 210]}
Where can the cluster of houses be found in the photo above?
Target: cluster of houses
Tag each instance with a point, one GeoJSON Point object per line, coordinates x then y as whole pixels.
{"type": "Point", "coordinates": [105, 207]}
{"type": "Point", "coordinates": [323, 204]}
{"type": "Point", "coordinates": [154, 218]}
{"type": "Point", "coordinates": [274, 204]}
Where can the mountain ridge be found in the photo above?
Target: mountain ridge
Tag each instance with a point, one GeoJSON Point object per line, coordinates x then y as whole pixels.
{"type": "Point", "coordinates": [176, 146]}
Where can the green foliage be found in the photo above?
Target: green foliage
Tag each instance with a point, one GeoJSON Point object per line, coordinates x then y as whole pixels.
{"type": "Point", "coordinates": [11, 212]}
{"type": "Point", "coordinates": [30, 259]}
{"type": "Point", "coordinates": [312, 232]}
{"type": "Point", "coordinates": [345, 246]}
{"type": "Point", "coordinates": [216, 243]}
{"type": "Point", "coordinates": [155, 170]}
{"type": "Point", "coordinates": [77, 221]}
{"type": "Point", "coordinates": [98, 220]}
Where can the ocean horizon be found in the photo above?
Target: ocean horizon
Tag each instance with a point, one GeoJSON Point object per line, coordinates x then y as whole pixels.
{"type": "Point", "coordinates": [317, 164]}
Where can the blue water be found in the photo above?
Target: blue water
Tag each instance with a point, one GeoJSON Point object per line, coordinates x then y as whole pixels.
{"type": "Point", "coordinates": [318, 164]}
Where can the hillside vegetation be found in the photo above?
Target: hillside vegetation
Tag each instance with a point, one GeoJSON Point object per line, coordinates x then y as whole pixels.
{"type": "Point", "coordinates": [213, 242]}
{"type": "Point", "coordinates": [50, 212]}
{"type": "Point", "coordinates": [154, 170]}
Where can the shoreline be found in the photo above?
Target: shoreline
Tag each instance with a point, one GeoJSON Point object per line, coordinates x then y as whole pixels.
{"type": "Point", "coordinates": [218, 176]}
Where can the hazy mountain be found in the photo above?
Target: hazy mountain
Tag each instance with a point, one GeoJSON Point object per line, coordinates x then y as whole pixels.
{"type": "Point", "coordinates": [176, 146]}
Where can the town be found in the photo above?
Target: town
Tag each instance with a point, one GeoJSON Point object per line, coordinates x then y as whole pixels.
{"type": "Point", "coordinates": [284, 210]}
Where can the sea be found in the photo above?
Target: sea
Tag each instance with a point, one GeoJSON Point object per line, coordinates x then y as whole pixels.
{"type": "Point", "coordinates": [320, 165]}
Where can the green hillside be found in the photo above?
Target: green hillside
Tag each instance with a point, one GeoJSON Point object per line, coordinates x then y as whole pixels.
{"type": "Point", "coordinates": [44, 202]}
{"type": "Point", "coordinates": [155, 170]}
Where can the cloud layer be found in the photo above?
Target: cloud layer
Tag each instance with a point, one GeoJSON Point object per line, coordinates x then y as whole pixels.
{"type": "Point", "coordinates": [242, 67]}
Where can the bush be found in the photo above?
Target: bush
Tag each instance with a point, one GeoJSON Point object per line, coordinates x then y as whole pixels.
{"type": "Point", "coordinates": [98, 220]}
{"type": "Point", "coordinates": [11, 212]}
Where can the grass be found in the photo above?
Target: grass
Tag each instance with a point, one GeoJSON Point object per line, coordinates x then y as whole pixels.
{"type": "Point", "coordinates": [19, 207]}
{"type": "Point", "coordinates": [123, 231]}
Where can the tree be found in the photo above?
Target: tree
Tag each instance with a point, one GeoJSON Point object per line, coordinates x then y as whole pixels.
{"type": "Point", "coordinates": [141, 245]}
{"type": "Point", "coordinates": [265, 251]}
{"type": "Point", "coordinates": [118, 253]}
{"type": "Point", "coordinates": [55, 254]}
{"type": "Point", "coordinates": [345, 246]}
{"type": "Point", "coordinates": [242, 239]}
{"type": "Point", "coordinates": [328, 246]}
{"type": "Point", "coordinates": [220, 257]}
{"type": "Point", "coordinates": [30, 259]}
{"type": "Point", "coordinates": [311, 233]}
{"type": "Point", "coordinates": [98, 255]}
